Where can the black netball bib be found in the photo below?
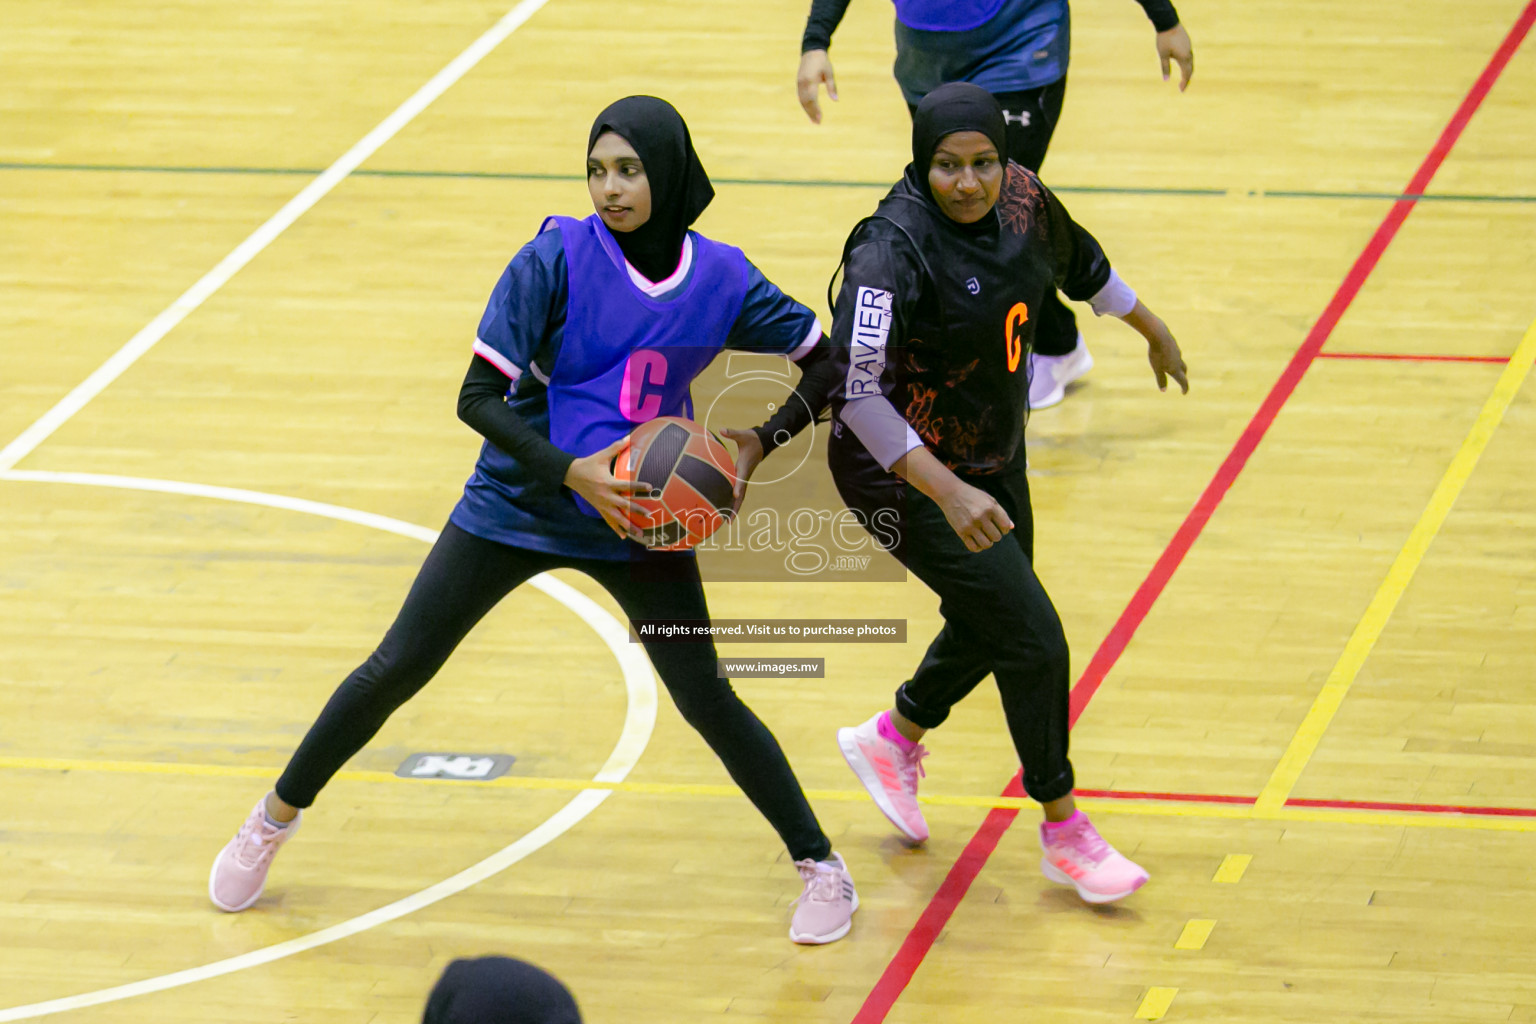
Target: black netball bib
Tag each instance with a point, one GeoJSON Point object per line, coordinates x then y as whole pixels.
{"type": "Point", "coordinates": [963, 369]}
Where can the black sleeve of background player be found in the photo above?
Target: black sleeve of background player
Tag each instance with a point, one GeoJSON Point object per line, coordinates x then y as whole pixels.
{"type": "Point", "coordinates": [1080, 264]}
{"type": "Point", "coordinates": [1163, 16]}
{"type": "Point", "coordinates": [826, 15]}
{"type": "Point", "coordinates": [483, 405]}
{"type": "Point", "coordinates": [818, 375]}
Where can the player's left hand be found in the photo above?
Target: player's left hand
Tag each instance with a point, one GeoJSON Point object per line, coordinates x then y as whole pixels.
{"type": "Point", "coordinates": [749, 452]}
{"type": "Point", "coordinates": [1174, 45]}
{"type": "Point", "coordinates": [1162, 351]}
{"type": "Point", "coordinates": [1167, 361]}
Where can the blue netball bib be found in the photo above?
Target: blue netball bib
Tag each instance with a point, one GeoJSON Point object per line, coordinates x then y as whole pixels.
{"type": "Point", "coordinates": [947, 15]}
{"type": "Point", "coordinates": [628, 357]}
{"type": "Point", "coordinates": [1001, 45]}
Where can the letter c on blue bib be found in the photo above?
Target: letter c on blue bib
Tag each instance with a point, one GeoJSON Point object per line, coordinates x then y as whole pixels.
{"type": "Point", "coordinates": [641, 392]}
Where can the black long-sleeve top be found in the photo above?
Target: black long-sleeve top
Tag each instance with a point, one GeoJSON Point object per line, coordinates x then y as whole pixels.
{"type": "Point", "coordinates": [483, 407]}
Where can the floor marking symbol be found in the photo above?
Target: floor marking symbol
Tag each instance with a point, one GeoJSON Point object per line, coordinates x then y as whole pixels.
{"type": "Point", "coordinates": [1156, 1003]}
{"type": "Point", "coordinates": [1369, 629]}
{"type": "Point", "coordinates": [1232, 868]}
{"type": "Point", "coordinates": [1195, 933]}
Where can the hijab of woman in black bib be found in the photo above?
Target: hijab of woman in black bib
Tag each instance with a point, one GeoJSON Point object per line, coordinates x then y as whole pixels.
{"type": "Point", "coordinates": [499, 990]}
{"type": "Point", "coordinates": [680, 190]}
{"type": "Point", "coordinates": [956, 107]}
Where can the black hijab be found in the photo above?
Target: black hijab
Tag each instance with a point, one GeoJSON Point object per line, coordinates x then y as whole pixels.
{"type": "Point", "coordinates": [956, 107]}
{"type": "Point", "coordinates": [680, 190]}
{"type": "Point", "coordinates": [499, 990]}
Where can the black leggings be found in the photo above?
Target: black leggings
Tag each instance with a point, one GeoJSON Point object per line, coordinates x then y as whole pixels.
{"type": "Point", "coordinates": [462, 579]}
{"type": "Point", "coordinates": [998, 619]}
{"type": "Point", "coordinates": [1030, 117]}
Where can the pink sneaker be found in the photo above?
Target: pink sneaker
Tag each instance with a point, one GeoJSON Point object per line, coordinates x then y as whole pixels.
{"type": "Point", "coordinates": [889, 774]}
{"type": "Point", "coordinates": [824, 911]}
{"type": "Point", "coordinates": [1077, 855]}
{"type": "Point", "coordinates": [240, 870]}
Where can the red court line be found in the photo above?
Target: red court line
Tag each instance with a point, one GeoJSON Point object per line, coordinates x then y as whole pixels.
{"type": "Point", "coordinates": [920, 939]}
{"type": "Point", "coordinates": [1344, 805]}
{"type": "Point", "coordinates": [1376, 805]}
{"type": "Point", "coordinates": [1413, 358]}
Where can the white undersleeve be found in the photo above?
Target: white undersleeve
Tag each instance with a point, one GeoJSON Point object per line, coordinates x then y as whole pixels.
{"type": "Point", "coordinates": [1115, 299]}
{"type": "Point", "coordinates": [883, 430]}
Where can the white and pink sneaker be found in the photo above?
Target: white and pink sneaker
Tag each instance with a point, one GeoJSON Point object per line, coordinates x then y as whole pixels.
{"type": "Point", "coordinates": [240, 870]}
{"type": "Point", "coordinates": [824, 911]}
{"type": "Point", "coordinates": [889, 769]}
{"type": "Point", "coordinates": [1076, 855]}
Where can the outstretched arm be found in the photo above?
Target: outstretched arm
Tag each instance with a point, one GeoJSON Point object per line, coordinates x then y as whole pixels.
{"type": "Point", "coordinates": [804, 406]}
{"type": "Point", "coordinates": [1083, 273]}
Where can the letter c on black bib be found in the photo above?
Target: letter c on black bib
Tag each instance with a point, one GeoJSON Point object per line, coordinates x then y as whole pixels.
{"type": "Point", "coordinates": [1018, 316]}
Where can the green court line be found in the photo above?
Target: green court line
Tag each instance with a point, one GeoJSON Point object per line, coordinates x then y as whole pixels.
{"type": "Point", "coordinates": [1462, 197]}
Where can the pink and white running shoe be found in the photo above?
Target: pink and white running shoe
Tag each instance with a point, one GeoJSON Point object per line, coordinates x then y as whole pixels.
{"type": "Point", "coordinates": [240, 870]}
{"type": "Point", "coordinates": [824, 911]}
{"type": "Point", "coordinates": [1076, 855]}
{"type": "Point", "coordinates": [889, 773]}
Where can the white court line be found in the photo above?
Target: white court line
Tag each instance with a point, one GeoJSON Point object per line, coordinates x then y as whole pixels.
{"type": "Point", "coordinates": [262, 237]}
{"type": "Point", "coordinates": [639, 721]}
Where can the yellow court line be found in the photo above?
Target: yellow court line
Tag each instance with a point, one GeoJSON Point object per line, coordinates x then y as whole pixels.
{"type": "Point", "coordinates": [1156, 1003]}
{"type": "Point", "coordinates": [1098, 805]}
{"type": "Point", "coordinates": [1304, 744]}
{"type": "Point", "coordinates": [1232, 867]}
{"type": "Point", "coordinates": [1195, 934]}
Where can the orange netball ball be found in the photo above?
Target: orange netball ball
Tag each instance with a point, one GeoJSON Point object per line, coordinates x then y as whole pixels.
{"type": "Point", "coordinates": [691, 476]}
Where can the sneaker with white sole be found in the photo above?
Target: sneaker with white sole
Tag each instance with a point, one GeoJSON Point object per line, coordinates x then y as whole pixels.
{"type": "Point", "coordinates": [824, 911]}
{"type": "Point", "coordinates": [240, 870]}
{"type": "Point", "coordinates": [889, 773]}
{"type": "Point", "coordinates": [1050, 375]}
{"type": "Point", "coordinates": [1078, 856]}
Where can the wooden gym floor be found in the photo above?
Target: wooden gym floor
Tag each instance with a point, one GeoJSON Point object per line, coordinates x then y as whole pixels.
{"type": "Point", "coordinates": [1302, 599]}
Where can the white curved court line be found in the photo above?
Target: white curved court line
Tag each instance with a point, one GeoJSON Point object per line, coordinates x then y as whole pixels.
{"type": "Point", "coordinates": [639, 721]}
{"type": "Point", "coordinates": [263, 236]}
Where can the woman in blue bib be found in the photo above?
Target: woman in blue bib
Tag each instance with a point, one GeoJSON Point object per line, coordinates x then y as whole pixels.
{"type": "Point", "coordinates": [595, 327]}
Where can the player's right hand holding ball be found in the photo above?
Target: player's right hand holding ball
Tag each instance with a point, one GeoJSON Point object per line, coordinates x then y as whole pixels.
{"type": "Point", "coordinates": [592, 478]}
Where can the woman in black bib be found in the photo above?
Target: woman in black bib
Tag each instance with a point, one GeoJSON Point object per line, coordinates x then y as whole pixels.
{"type": "Point", "coordinates": [928, 381]}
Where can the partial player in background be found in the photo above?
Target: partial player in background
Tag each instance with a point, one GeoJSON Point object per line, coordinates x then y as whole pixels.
{"type": "Point", "coordinates": [1017, 50]}
{"type": "Point", "coordinates": [596, 326]}
{"type": "Point", "coordinates": [499, 990]}
{"type": "Point", "coordinates": [937, 303]}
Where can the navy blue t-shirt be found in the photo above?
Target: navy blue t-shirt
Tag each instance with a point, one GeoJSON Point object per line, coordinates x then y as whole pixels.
{"type": "Point", "coordinates": [1017, 45]}
{"type": "Point", "coordinates": [522, 332]}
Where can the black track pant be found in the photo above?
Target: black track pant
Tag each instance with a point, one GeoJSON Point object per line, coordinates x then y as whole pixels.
{"type": "Point", "coordinates": [998, 619]}
{"type": "Point", "coordinates": [1031, 118]}
{"type": "Point", "coordinates": [462, 579]}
